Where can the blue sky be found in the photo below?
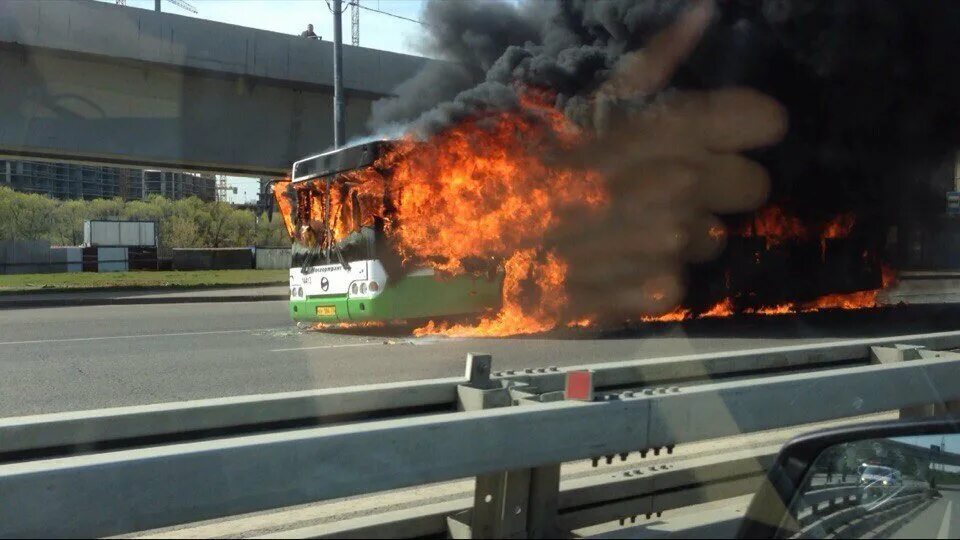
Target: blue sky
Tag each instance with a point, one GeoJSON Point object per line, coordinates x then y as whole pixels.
{"type": "Point", "coordinates": [377, 31]}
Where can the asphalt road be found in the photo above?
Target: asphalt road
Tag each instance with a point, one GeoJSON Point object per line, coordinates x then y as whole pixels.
{"type": "Point", "coordinates": [86, 357]}
{"type": "Point", "coordinates": [939, 520]}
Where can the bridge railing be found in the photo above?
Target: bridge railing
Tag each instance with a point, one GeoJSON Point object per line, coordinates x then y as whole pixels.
{"type": "Point", "coordinates": [115, 471]}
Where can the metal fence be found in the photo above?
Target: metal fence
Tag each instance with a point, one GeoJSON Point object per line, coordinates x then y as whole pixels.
{"type": "Point", "coordinates": [115, 471]}
{"type": "Point", "coordinates": [276, 258]}
{"type": "Point", "coordinates": [38, 257]}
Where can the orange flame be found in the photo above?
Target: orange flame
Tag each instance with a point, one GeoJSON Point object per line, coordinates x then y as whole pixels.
{"type": "Point", "coordinates": [840, 226]}
{"type": "Point", "coordinates": [285, 205]}
{"type": "Point", "coordinates": [585, 322]}
{"type": "Point", "coordinates": [678, 314]}
{"type": "Point", "coordinates": [854, 300]}
{"type": "Point", "coordinates": [723, 308]}
{"type": "Point", "coordinates": [888, 276]}
{"type": "Point", "coordinates": [524, 271]}
{"type": "Point", "coordinates": [348, 325]}
{"type": "Point", "coordinates": [482, 188]}
{"type": "Point", "coordinates": [780, 309]}
{"type": "Point", "coordinates": [775, 226]}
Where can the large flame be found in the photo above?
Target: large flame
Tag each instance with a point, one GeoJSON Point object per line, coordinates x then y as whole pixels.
{"type": "Point", "coordinates": [285, 205]}
{"type": "Point", "coordinates": [725, 307]}
{"type": "Point", "coordinates": [484, 190]}
{"type": "Point", "coordinates": [525, 273]}
{"type": "Point", "coordinates": [481, 190]}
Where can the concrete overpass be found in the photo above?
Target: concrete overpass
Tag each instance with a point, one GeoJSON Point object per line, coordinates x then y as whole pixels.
{"type": "Point", "coordinates": [96, 82]}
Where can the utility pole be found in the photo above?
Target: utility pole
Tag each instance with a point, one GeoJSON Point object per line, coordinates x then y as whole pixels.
{"type": "Point", "coordinates": [338, 112]}
{"type": "Point", "coordinates": [355, 22]}
{"type": "Point", "coordinates": [156, 5]}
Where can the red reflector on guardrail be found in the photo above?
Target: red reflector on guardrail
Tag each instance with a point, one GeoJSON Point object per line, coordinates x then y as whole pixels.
{"type": "Point", "coordinates": [579, 385]}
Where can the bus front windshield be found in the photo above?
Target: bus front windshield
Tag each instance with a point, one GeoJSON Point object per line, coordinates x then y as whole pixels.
{"type": "Point", "coordinates": [338, 221]}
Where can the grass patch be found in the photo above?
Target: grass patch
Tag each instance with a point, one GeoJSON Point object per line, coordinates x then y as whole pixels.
{"type": "Point", "coordinates": [141, 279]}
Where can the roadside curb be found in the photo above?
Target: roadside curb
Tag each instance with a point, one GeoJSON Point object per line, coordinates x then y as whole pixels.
{"type": "Point", "coordinates": [67, 302]}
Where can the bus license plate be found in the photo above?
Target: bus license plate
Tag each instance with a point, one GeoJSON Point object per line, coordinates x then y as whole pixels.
{"type": "Point", "coordinates": [326, 311]}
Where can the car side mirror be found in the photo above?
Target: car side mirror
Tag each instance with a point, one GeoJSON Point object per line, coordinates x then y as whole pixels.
{"type": "Point", "coordinates": [880, 480]}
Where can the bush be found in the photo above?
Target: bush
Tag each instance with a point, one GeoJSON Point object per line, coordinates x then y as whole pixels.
{"type": "Point", "coordinates": [183, 223]}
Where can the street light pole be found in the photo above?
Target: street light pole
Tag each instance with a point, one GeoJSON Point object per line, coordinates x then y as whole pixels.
{"type": "Point", "coordinates": [338, 112]}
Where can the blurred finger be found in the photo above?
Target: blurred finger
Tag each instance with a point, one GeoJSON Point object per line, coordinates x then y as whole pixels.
{"type": "Point", "coordinates": [731, 183]}
{"type": "Point", "coordinates": [657, 294]}
{"type": "Point", "coordinates": [648, 70]}
{"type": "Point", "coordinates": [654, 182]}
{"type": "Point", "coordinates": [647, 232]}
{"type": "Point", "coordinates": [725, 120]}
{"type": "Point", "coordinates": [687, 124]}
{"type": "Point", "coordinates": [707, 238]}
{"type": "Point", "coordinates": [613, 289]}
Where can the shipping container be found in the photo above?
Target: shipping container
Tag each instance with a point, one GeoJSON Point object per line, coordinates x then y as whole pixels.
{"type": "Point", "coordinates": [119, 233]}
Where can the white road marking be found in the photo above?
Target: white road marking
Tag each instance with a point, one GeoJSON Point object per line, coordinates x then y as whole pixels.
{"type": "Point", "coordinates": [135, 336]}
{"type": "Point", "coordinates": [327, 347]}
{"type": "Point", "coordinates": [944, 531]}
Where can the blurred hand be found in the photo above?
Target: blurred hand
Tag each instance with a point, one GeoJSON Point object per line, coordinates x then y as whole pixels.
{"type": "Point", "coordinates": [670, 166]}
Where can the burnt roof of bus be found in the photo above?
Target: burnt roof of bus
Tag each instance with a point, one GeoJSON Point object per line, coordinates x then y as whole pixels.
{"type": "Point", "coordinates": [344, 159]}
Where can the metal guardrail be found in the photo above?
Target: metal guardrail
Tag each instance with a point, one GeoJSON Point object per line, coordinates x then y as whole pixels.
{"type": "Point", "coordinates": [851, 517]}
{"type": "Point", "coordinates": [831, 495]}
{"type": "Point", "coordinates": [173, 463]}
{"type": "Point", "coordinates": [625, 496]}
{"type": "Point", "coordinates": [119, 427]}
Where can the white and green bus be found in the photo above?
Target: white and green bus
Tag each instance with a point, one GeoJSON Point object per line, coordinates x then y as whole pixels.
{"type": "Point", "coordinates": [358, 275]}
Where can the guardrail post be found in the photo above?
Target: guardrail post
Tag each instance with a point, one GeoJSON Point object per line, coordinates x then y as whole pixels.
{"type": "Point", "coordinates": [544, 502]}
{"type": "Point", "coordinates": [520, 503]}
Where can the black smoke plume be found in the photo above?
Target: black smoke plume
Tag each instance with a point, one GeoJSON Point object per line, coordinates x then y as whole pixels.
{"type": "Point", "coordinates": [872, 88]}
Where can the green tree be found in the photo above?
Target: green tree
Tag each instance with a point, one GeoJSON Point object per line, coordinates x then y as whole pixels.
{"type": "Point", "coordinates": [105, 208]}
{"type": "Point", "coordinates": [179, 231]}
{"type": "Point", "coordinates": [271, 233]}
{"type": "Point", "coordinates": [182, 223]}
{"type": "Point", "coordinates": [26, 216]}
{"type": "Point", "coordinates": [67, 223]}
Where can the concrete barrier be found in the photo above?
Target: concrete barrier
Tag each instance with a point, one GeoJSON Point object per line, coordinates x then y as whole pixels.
{"type": "Point", "coordinates": [66, 259]}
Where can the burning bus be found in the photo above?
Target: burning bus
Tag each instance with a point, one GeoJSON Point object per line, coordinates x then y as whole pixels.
{"type": "Point", "coordinates": [340, 209]}
{"type": "Point", "coordinates": [453, 228]}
